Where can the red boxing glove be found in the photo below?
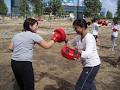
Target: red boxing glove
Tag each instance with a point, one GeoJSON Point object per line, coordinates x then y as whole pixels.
{"type": "Point", "coordinates": [114, 30]}
{"type": "Point", "coordinates": [56, 37]}
{"type": "Point", "coordinates": [59, 35]}
{"type": "Point", "coordinates": [70, 54]}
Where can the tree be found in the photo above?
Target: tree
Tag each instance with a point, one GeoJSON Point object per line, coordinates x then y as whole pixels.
{"type": "Point", "coordinates": [56, 7]}
{"type": "Point", "coordinates": [24, 8]}
{"type": "Point", "coordinates": [109, 15]}
{"type": "Point", "coordinates": [38, 7]}
{"type": "Point", "coordinates": [118, 9]}
{"type": "Point", "coordinates": [3, 8]}
{"type": "Point", "coordinates": [93, 7]}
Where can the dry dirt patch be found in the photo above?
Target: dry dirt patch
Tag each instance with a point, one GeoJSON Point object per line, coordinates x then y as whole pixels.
{"type": "Point", "coordinates": [52, 71]}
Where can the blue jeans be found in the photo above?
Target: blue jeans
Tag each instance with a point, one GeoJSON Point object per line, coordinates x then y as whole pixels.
{"type": "Point", "coordinates": [86, 79]}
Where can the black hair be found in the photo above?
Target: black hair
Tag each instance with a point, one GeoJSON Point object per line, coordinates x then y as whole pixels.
{"type": "Point", "coordinates": [27, 23]}
{"type": "Point", "coordinates": [80, 22]}
{"type": "Point", "coordinates": [115, 20]}
{"type": "Point", "coordinates": [94, 20]}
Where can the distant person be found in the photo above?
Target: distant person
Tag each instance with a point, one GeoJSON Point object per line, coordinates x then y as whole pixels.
{"type": "Point", "coordinates": [95, 30]}
{"type": "Point", "coordinates": [22, 46]}
{"type": "Point", "coordinates": [114, 34]}
{"type": "Point", "coordinates": [86, 45]}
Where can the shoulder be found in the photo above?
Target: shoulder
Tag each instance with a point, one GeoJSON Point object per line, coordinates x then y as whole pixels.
{"type": "Point", "coordinates": [31, 34]}
{"type": "Point", "coordinates": [17, 34]}
{"type": "Point", "coordinates": [36, 35]}
{"type": "Point", "coordinates": [97, 24]}
{"type": "Point", "coordinates": [116, 26]}
{"type": "Point", "coordinates": [90, 36]}
{"type": "Point", "coordinates": [93, 24]}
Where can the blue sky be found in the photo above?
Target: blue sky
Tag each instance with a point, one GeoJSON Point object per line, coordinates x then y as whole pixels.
{"type": "Point", "coordinates": [108, 4]}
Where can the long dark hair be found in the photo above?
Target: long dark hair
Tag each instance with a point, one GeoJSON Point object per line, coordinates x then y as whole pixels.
{"type": "Point", "coordinates": [115, 20]}
{"type": "Point", "coordinates": [80, 22]}
{"type": "Point", "coordinates": [27, 23]}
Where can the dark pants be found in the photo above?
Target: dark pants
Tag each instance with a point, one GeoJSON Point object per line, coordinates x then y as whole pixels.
{"type": "Point", "coordinates": [86, 79]}
{"type": "Point", "coordinates": [24, 75]}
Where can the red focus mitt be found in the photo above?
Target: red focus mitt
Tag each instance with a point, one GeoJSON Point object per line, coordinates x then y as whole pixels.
{"type": "Point", "coordinates": [114, 30]}
{"type": "Point", "coordinates": [59, 35]}
{"type": "Point", "coordinates": [70, 54]}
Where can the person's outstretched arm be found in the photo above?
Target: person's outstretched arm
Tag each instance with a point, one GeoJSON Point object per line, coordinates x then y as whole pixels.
{"type": "Point", "coordinates": [46, 44]}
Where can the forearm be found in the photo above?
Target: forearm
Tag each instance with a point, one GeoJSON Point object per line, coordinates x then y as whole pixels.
{"type": "Point", "coordinates": [10, 48]}
{"type": "Point", "coordinates": [50, 43]}
{"type": "Point", "coordinates": [46, 44]}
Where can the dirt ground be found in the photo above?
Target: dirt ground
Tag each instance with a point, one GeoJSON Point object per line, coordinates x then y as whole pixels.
{"type": "Point", "coordinates": [52, 71]}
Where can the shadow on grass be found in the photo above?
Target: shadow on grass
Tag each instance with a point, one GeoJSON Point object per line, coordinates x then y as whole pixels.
{"type": "Point", "coordinates": [105, 46]}
{"type": "Point", "coordinates": [111, 60]}
{"type": "Point", "coordinates": [62, 84]}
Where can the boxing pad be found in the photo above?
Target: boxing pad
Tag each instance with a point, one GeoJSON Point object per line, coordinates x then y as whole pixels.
{"type": "Point", "coordinates": [59, 35]}
{"type": "Point", "coordinates": [69, 53]}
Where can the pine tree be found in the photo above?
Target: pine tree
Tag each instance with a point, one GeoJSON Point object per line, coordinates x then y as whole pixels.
{"type": "Point", "coordinates": [109, 15]}
{"type": "Point", "coordinates": [3, 8]}
{"type": "Point", "coordinates": [118, 9]}
{"type": "Point", "coordinates": [24, 8]}
{"type": "Point", "coordinates": [38, 7]}
{"type": "Point", "coordinates": [93, 7]}
{"type": "Point", "coordinates": [56, 7]}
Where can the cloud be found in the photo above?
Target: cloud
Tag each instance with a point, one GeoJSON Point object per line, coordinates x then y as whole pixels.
{"type": "Point", "coordinates": [110, 5]}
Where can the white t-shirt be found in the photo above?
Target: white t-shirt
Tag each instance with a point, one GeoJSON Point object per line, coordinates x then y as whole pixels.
{"type": "Point", "coordinates": [23, 45]}
{"type": "Point", "coordinates": [117, 29]}
{"type": "Point", "coordinates": [87, 47]}
{"type": "Point", "coordinates": [95, 28]}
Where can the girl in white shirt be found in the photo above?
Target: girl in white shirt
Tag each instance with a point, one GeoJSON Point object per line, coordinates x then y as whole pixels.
{"type": "Point", "coordinates": [95, 29]}
{"type": "Point", "coordinates": [114, 33]}
{"type": "Point", "coordinates": [86, 44]}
